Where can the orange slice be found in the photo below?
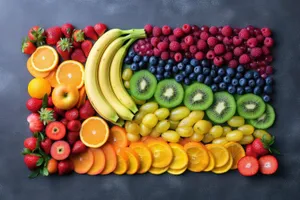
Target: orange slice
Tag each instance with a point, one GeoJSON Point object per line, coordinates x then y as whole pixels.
{"type": "Point", "coordinates": [82, 97]}
{"type": "Point", "coordinates": [122, 162]}
{"type": "Point", "coordinates": [198, 156]}
{"type": "Point", "coordinates": [211, 164]}
{"type": "Point", "coordinates": [180, 158]}
{"type": "Point", "coordinates": [70, 72]}
{"type": "Point", "coordinates": [144, 154]}
{"type": "Point", "coordinates": [83, 162]}
{"type": "Point", "coordinates": [134, 161]}
{"type": "Point", "coordinates": [52, 78]}
{"type": "Point", "coordinates": [148, 138]}
{"type": "Point", "coordinates": [177, 171]}
{"type": "Point", "coordinates": [44, 59]}
{"type": "Point", "coordinates": [158, 171]}
{"type": "Point", "coordinates": [99, 162]}
{"type": "Point", "coordinates": [237, 152]}
{"type": "Point", "coordinates": [183, 141]}
{"type": "Point", "coordinates": [117, 137]}
{"type": "Point", "coordinates": [110, 159]}
{"type": "Point", "coordinates": [220, 153]}
{"type": "Point", "coordinates": [94, 132]}
{"type": "Point", "coordinates": [225, 168]}
{"type": "Point", "coordinates": [34, 72]}
{"type": "Point", "coordinates": [161, 152]}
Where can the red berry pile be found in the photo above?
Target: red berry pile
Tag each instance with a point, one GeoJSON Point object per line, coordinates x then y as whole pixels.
{"type": "Point", "coordinates": [225, 45]}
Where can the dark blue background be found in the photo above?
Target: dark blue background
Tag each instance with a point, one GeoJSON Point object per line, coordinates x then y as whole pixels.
{"type": "Point", "coordinates": [16, 17]}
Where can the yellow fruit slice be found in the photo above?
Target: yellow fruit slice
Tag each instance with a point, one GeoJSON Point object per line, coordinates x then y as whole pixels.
{"type": "Point", "coordinates": [51, 78]}
{"type": "Point", "coordinates": [161, 152]}
{"type": "Point", "coordinates": [38, 87]}
{"type": "Point", "coordinates": [220, 154]}
{"type": "Point", "coordinates": [180, 158]}
{"type": "Point", "coordinates": [34, 72]}
{"type": "Point", "coordinates": [44, 59]}
{"type": "Point", "coordinates": [177, 171]}
{"type": "Point", "coordinates": [70, 72]}
{"type": "Point", "coordinates": [157, 171]}
{"type": "Point", "coordinates": [211, 164]}
{"type": "Point", "coordinates": [122, 162]}
{"type": "Point", "coordinates": [198, 156]}
{"type": "Point", "coordinates": [225, 168]}
{"type": "Point", "coordinates": [134, 161]}
{"type": "Point", "coordinates": [237, 152]}
{"type": "Point", "coordinates": [144, 154]}
{"type": "Point", "coordinates": [94, 132]}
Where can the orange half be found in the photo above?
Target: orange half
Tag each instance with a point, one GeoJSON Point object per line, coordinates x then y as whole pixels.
{"type": "Point", "coordinates": [34, 72]}
{"type": "Point", "coordinates": [51, 78]}
{"type": "Point", "coordinates": [44, 59]}
{"type": "Point", "coordinates": [70, 72]}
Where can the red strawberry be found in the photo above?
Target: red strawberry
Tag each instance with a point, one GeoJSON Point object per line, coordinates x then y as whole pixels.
{"type": "Point", "coordinates": [34, 105]}
{"type": "Point", "coordinates": [90, 32]}
{"type": "Point", "coordinates": [30, 160]}
{"type": "Point", "coordinates": [86, 110]}
{"type": "Point", "coordinates": [74, 125]}
{"type": "Point", "coordinates": [78, 147]}
{"type": "Point", "coordinates": [50, 102]}
{"type": "Point", "coordinates": [78, 55]}
{"type": "Point", "coordinates": [47, 115]}
{"type": "Point", "coordinates": [260, 147]}
{"type": "Point", "coordinates": [268, 164]}
{"type": "Point", "coordinates": [250, 151]}
{"type": "Point", "coordinates": [59, 111]}
{"type": "Point", "coordinates": [78, 36]}
{"type": "Point", "coordinates": [64, 121]}
{"type": "Point", "coordinates": [35, 124]}
{"type": "Point", "coordinates": [28, 47]}
{"type": "Point", "coordinates": [64, 48]}
{"type": "Point", "coordinates": [248, 166]}
{"type": "Point", "coordinates": [76, 44]}
{"type": "Point", "coordinates": [53, 34]}
{"type": "Point", "coordinates": [67, 30]}
{"type": "Point", "coordinates": [72, 137]}
{"type": "Point", "coordinates": [46, 145]}
{"type": "Point", "coordinates": [72, 114]}
{"type": "Point", "coordinates": [30, 143]}
{"type": "Point", "coordinates": [65, 167]}
{"type": "Point", "coordinates": [100, 28]}
{"type": "Point", "coordinates": [37, 35]}
{"type": "Point", "coordinates": [86, 47]}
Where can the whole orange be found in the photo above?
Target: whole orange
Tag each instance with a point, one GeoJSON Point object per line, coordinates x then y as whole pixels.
{"type": "Point", "coordinates": [38, 87]}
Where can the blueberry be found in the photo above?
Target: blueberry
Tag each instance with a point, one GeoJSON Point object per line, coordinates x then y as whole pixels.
{"type": "Point", "coordinates": [260, 82]}
{"type": "Point", "coordinates": [200, 78]}
{"type": "Point", "coordinates": [214, 67]}
{"type": "Point", "coordinates": [128, 60]}
{"type": "Point", "coordinates": [218, 79]}
{"type": "Point", "coordinates": [161, 62]}
{"type": "Point", "coordinates": [234, 82]}
{"type": "Point", "coordinates": [206, 71]}
{"type": "Point", "coordinates": [179, 78]}
{"type": "Point", "coordinates": [194, 62]}
{"type": "Point", "coordinates": [243, 82]}
{"type": "Point", "coordinates": [251, 83]}
{"type": "Point", "coordinates": [257, 90]}
{"type": "Point", "coordinates": [238, 75]}
{"type": "Point", "coordinates": [160, 70]}
{"type": "Point", "coordinates": [198, 70]}
{"type": "Point", "coordinates": [137, 58]}
{"type": "Point", "coordinates": [192, 76]}
{"type": "Point", "coordinates": [222, 86]}
{"type": "Point", "coordinates": [131, 54]}
{"type": "Point", "coordinates": [269, 80]}
{"type": "Point", "coordinates": [268, 89]}
{"type": "Point", "coordinates": [189, 69]}
{"type": "Point", "coordinates": [152, 69]}
{"type": "Point", "coordinates": [171, 62]}
{"type": "Point", "coordinates": [181, 66]}
{"type": "Point", "coordinates": [230, 72]}
{"type": "Point", "coordinates": [145, 58]}
{"type": "Point", "coordinates": [142, 65]}
{"type": "Point", "coordinates": [153, 60]}
{"type": "Point", "coordinates": [227, 79]}
{"type": "Point", "coordinates": [221, 72]}
{"type": "Point", "coordinates": [175, 69]}
{"type": "Point", "coordinates": [185, 61]}
{"type": "Point", "coordinates": [208, 80]}
{"type": "Point", "coordinates": [214, 87]}
{"type": "Point", "coordinates": [256, 75]}
{"type": "Point", "coordinates": [248, 89]}
{"type": "Point", "coordinates": [187, 81]}
{"type": "Point", "coordinates": [167, 74]}
{"type": "Point", "coordinates": [204, 63]}
{"type": "Point", "coordinates": [183, 73]}
{"type": "Point", "coordinates": [159, 77]}
{"type": "Point", "coordinates": [213, 73]}
{"type": "Point", "coordinates": [240, 68]}
{"type": "Point", "coordinates": [266, 98]}
{"type": "Point", "coordinates": [168, 67]}
{"type": "Point", "coordinates": [240, 90]}
{"type": "Point", "coordinates": [248, 75]}
{"type": "Point", "coordinates": [134, 67]}
{"type": "Point", "coordinates": [231, 89]}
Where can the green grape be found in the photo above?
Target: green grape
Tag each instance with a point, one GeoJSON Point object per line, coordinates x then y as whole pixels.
{"type": "Point", "coordinates": [171, 136]}
{"type": "Point", "coordinates": [185, 131]}
{"type": "Point", "coordinates": [162, 126]}
{"type": "Point", "coordinates": [133, 128]}
{"type": "Point", "coordinates": [126, 75]}
{"type": "Point", "coordinates": [247, 139]}
{"type": "Point", "coordinates": [145, 130]}
{"type": "Point", "coordinates": [216, 131]}
{"type": "Point", "coordinates": [137, 101]}
{"type": "Point", "coordinates": [173, 124]}
{"type": "Point", "coordinates": [236, 121]}
{"type": "Point", "coordinates": [246, 129]}
{"type": "Point", "coordinates": [207, 138]}
{"type": "Point", "coordinates": [127, 84]}
{"type": "Point", "coordinates": [155, 134]}
{"type": "Point", "coordinates": [179, 113]}
{"type": "Point", "coordinates": [196, 115]}
{"type": "Point", "coordinates": [162, 113]}
{"type": "Point", "coordinates": [226, 129]}
{"type": "Point", "coordinates": [221, 140]}
{"type": "Point", "coordinates": [187, 121]}
{"type": "Point", "coordinates": [149, 107]}
{"type": "Point", "coordinates": [202, 126]}
{"type": "Point", "coordinates": [196, 137]}
{"type": "Point", "coordinates": [139, 117]}
{"type": "Point", "coordinates": [234, 136]}
{"type": "Point", "coordinates": [262, 135]}
{"type": "Point", "coordinates": [150, 120]}
{"type": "Point", "coordinates": [132, 137]}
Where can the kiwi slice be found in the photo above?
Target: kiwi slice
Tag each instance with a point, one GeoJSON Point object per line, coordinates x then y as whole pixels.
{"type": "Point", "coordinates": [169, 93]}
{"type": "Point", "coordinates": [266, 120]}
{"type": "Point", "coordinates": [142, 85]}
{"type": "Point", "coordinates": [198, 96]}
{"type": "Point", "coordinates": [222, 109]}
{"type": "Point", "coordinates": [250, 106]}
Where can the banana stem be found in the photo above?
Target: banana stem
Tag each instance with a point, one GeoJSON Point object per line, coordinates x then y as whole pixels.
{"type": "Point", "coordinates": [134, 32]}
{"type": "Point", "coordinates": [129, 43]}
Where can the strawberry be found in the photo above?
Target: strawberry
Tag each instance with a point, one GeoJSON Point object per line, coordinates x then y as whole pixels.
{"type": "Point", "coordinates": [28, 47]}
{"type": "Point", "coordinates": [86, 47]}
{"type": "Point", "coordinates": [30, 143]}
{"type": "Point", "coordinates": [268, 164]}
{"type": "Point", "coordinates": [248, 166]}
{"type": "Point", "coordinates": [78, 55]}
{"type": "Point", "coordinates": [64, 48]}
{"type": "Point", "coordinates": [76, 44]}
{"type": "Point", "coordinates": [78, 36]}
{"type": "Point", "coordinates": [34, 105]}
{"type": "Point", "coordinates": [74, 125]}
{"type": "Point", "coordinates": [35, 124]}
{"type": "Point", "coordinates": [86, 110]}
{"type": "Point", "coordinates": [65, 167]}
{"type": "Point", "coordinates": [250, 151]}
{"type": "Point", "coordinates": [46, 145]}
{"type": "Point", "coordinates": [50, 102]}
{"type": "Point", "coordinates": [78, 147]}
{"type": "Point", "coordinates": [59, 111]}
{"type": "Point", "coordinates": [90, 32]}
{"type": "Point", "coordinates": [47, 115]}
{"type": "Point", "coordinates": [72, 137]}
{"type": "Point", "coordinates": [31, 160]}
{"type": "Point", "coordinates": [100, 28]}
{"type": "Point", "coordinates": [67, 30]}
{"type": "Point", "coordinates": [263, 146]}
{"type": "Point", "coordinates": [37, 35]}
{"type": "Point", "coordinates": [64, 121]}
{"type": "Point", "coordinates": [72, 114]}
{"type": "Point", "coordinates": [53, 34]}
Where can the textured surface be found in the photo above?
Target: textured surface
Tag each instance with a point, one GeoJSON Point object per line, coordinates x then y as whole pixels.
{"type": "Point", "coordinates": [17, 16]}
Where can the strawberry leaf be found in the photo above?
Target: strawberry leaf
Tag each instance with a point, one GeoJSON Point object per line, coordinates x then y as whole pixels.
{"type": "Point", "coordinates": [34, 174]}
{"type": "Point", "coordinates": [26, 151]}
{"type": "Point", "coordinates": [45, 101]}
{"type": "Point", "coordinates": [40, 162]}
{"type": "Point", "coordinates": [274, 151]}
{"type": "Point", "coordinates": [45, 171]}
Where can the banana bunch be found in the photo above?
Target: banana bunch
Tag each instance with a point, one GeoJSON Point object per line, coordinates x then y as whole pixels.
{"type": "Point", "coordinates": [103, 83]}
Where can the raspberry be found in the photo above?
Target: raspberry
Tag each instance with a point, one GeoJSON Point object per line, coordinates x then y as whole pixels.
{"type": "Point", "coordinates": [172, 38]}
{"type": "Point", "coordinates": [155, 41]}
{"type": "Point", "coordinates": [244, 34]}
{"type": "Point", "coordinates": [212, 41]}
{"type": "Point", "coordinates": [269, 59]}
{"type": "Point", "coordinates": [252, 42]}
{"type": "Point", "coordinates": [136, 47]}
{"type": "Point", "coordinates": [220, 38]}
{"type": "Point", "coordinates": [264, 76]}
{"type": "Point", "coordinates": [268, 42]}
{"type": "Point", "coordinates": [166, 30]}
{"type": "Point", "coordinates": [204, 36]}
{"type": "Point", "coordinates": [233, 64]}
{"type": "Point", "coordinates": [253, 65]}
{"type": "Point", "coordinates": [260, 38]}
{"type": "Point", "coordinates": [172, 54]}
{"type": "Point", "coordinates": [189, 40]}
{"type": "Point", "coordinates": [265, 50]}
{"type": "Point", "coordinates": [186, 28]}
{"type": "Point", "coordinates": [237, 51]}
{"type": "Point", "coordinates": [227, 31]}
{"type": "Point", "coordinates": [210, 55]}
{"type": "Point", "coordinates": [219, 49]}
{"type": "Point", "coordinates": [156, 31]}
{"type": "Point", "coordinates": [228, 56]}
{"type": "Point", "coordinates": [257, 32]}
{"type": "Point", "coordinates": [163, 46]}
{"type": "Point", "coordinates": [201, 45]}
{"type": "Point", "coordinates": [174, 46]}
{"type": "Point", "coordinates": [236, 30]}
{"type": "Point", "coordinates": [187, 55]}
{"type": "Point", "coordinates": [193, 49]}
{"type": "Point", "coordinates": [269, 70]}
{"type": "Point", "coordinates": [205, 28]}
{"type": "Point", "coordinates": [156, 52]}
{"type": "Point", "coordinates": [164, 55]}
{"type": "Point", "coordinates": [199, 55]}
{"type": "Point", "coordinates": [266, 32]}
{"type": "Point", "coordinates": [236, 41]}
{"type": "Point", "coordinates": [196, 34]}
{"type": "Point", "coordinates": [218, 61]}
{"type": "Point", "coordinates": [178, 57]}
{"type": "Point", "coordinates": [244, 59]}
{"type": "Point", "coordinates": [213, 30]}
{"type": "Point", "coordinates": [195, 28]}
{"type": "Point", "coordinates": [166, 39]}
{"type": "Point", "coordinates": [261, 70]}
{"type": "Point", "coordinates": [148, 29]}
{"type": "Point", "coordinates": [149, 52]}
{"type": "Point", "coordinates": [141, 42]}
{"type": "Point", "coordinates": [256, 52]}
{"type": "Point", "coordinates": [227, 41]}
{"type": "Point", "coordinates": [178, 32]}
{"type": "Point", "coordinates": [184, 46]}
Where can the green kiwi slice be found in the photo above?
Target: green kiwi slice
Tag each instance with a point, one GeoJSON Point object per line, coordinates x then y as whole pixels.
{"type": "Point", "coordinates": [250, 106]}
{"type": "Point", "coordinates": [142, 85]}
{"type": "Point", "coordinates": [169, 93]}
{"type": "Point", "coordinates": [198, 96]}
{"type": "Point", "coordinates": [266, 120]}
{"type": "Point", "coordinates": [223, 107]}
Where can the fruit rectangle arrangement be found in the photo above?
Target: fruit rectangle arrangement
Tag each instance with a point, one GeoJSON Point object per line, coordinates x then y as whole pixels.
{"type": "Point", "coordinates": [156, 99]}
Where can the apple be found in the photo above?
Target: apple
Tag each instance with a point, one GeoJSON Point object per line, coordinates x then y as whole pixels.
{"type": "Point", "coordinates": [65, 97]}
